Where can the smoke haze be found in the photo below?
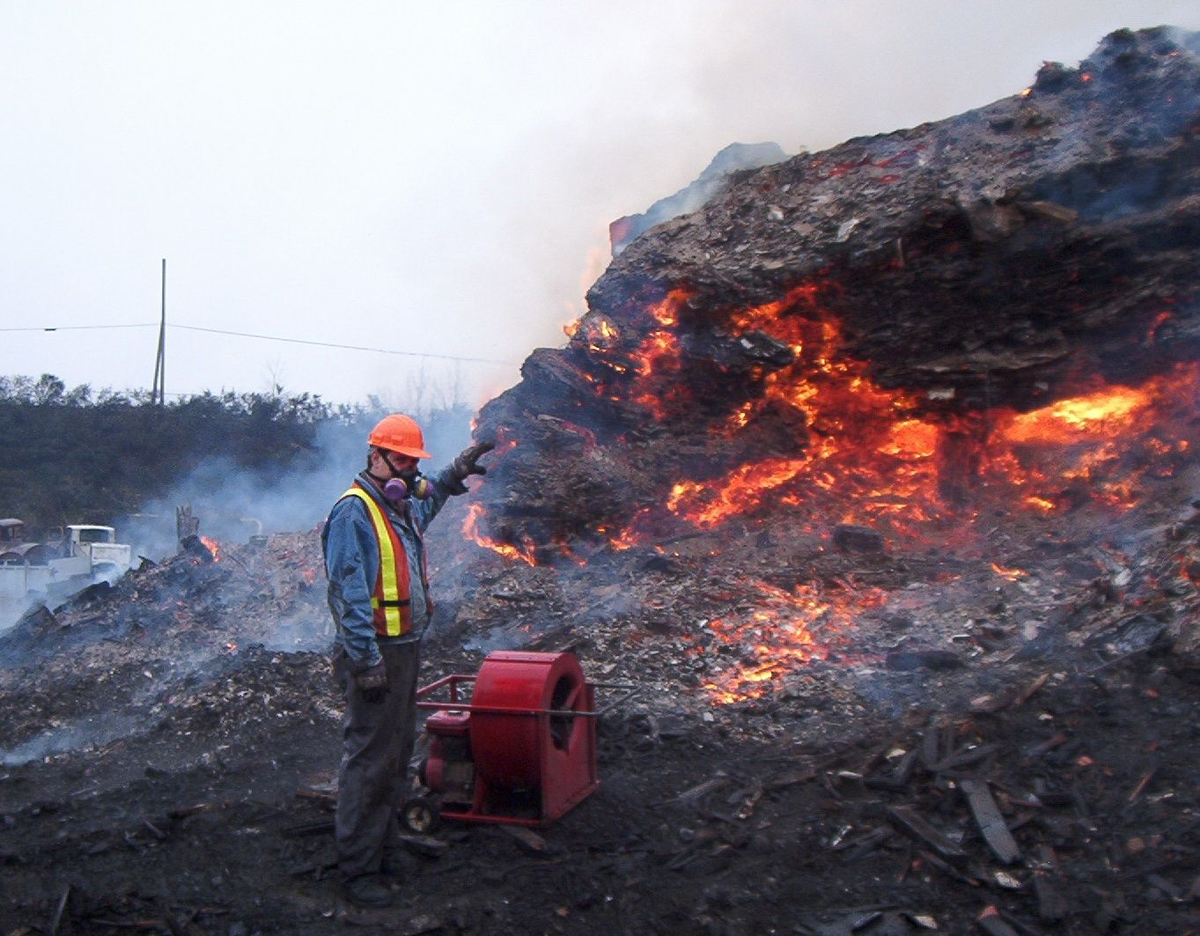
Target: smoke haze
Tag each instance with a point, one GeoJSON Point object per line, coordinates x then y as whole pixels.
{"type": "Point", "coordinates": [431, 179]}
{"type": "Point", "coordinates": [234, 503]}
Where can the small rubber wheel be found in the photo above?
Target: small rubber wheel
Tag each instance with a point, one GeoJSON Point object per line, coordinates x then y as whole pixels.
{"type": "Point", "coordinates": [419, 815]}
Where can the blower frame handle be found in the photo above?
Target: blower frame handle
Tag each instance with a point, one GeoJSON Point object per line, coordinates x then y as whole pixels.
{"type": "Point", "coordinates": [627, 690]}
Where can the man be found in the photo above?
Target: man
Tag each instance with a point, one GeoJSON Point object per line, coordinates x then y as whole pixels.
{"type": "Point", "coordinates": [379, 596]}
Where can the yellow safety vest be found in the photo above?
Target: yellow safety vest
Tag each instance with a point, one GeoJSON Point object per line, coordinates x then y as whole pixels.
{"type": "Point", "coordinates": [391, 597]}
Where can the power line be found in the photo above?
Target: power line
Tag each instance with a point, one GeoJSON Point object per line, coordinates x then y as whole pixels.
{"type": "Point", "coordinates": [344, 347]}
{"type": "Point", "coordinates": [50, 328]}
{"type": "Point", "coordinates": [236, 334]}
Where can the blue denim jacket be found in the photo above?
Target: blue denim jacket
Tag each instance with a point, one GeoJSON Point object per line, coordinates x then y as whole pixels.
{"type": "Point", "coordinates": [352, 563]}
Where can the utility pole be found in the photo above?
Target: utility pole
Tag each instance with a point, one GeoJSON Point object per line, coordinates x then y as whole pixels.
{"type": "Point", "coordinates": [158, 394]}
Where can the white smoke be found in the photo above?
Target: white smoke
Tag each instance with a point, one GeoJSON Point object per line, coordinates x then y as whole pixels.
{"type": "Point", "coordinates": [234, 503]}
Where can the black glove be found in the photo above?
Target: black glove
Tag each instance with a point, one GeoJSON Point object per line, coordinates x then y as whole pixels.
{"type": "Point", "coordinates": [467, 462]}
{"type": "Point", "coordinates": [466, 465]}
{"type": "Point", "coordinates": [372, 683]}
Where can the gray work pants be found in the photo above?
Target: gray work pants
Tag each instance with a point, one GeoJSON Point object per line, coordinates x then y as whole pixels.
{"type": "Point", "coordinates": [377, 743]}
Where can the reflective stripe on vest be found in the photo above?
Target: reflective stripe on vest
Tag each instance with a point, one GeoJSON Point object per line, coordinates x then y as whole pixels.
{"type": "Point", "coordinates": [390, 598]}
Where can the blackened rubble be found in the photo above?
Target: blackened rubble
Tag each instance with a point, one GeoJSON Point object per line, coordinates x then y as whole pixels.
{"type": "Point", "coordinates": [988, 723]}
{"type": "Point", "coordinates": [1046, 781]}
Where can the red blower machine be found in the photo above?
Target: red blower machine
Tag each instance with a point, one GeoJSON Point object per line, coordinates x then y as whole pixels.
{"type": "Point", "coordinates": [521, 749]}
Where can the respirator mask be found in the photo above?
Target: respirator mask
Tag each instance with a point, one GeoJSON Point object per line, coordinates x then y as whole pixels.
{"type": "Point", "coordinates": [408, 483]}
{"type": "Point", "coordinates": [398, 490]}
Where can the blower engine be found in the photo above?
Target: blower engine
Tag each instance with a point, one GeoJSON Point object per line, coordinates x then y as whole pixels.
{"type": "Point", "coordinates": [521, 751]}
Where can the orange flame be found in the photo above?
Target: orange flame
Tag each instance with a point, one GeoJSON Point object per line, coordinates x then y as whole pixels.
{"type": "Point", "coordinates": [508, 551]}
{"type": "Point", "coordinates": [868, 454]}
{"type": "Point", "coordinates": [666, 312]}
{"type": "Point", "coordinates": [878, 456]}
{"type": "Point", "coordinates": [867, 450]}
{"type": "Point", "coordinates": [1096, 415]}
{"type": "Point", "coordinates": [213, 547]}
{"type": "Point", "coordinates": [873, 456]}
{"type": "Point", "coordinates": [1106, 441]}
{"type": "Point", "coordinates": [599, 333]}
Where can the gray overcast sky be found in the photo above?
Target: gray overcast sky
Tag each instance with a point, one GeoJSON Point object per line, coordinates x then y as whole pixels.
{"type": "Point", "coordinates": [430, 177]}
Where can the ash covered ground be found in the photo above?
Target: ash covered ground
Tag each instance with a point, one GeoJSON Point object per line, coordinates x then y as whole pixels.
{"type": "Point", "coordinates": [170, 744]}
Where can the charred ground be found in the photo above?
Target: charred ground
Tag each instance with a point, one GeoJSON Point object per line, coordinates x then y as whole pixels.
{"type": "Point", "coordinates": [195, 796]}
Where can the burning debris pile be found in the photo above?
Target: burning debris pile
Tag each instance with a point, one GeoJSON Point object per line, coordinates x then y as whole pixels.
{"type": "Point", "coordinates": [878, 475]}
{"type": "Point", "coordinates": [891, 346]}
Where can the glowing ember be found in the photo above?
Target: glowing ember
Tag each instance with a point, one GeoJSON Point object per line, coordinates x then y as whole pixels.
{"type": "Point", "coordinates": [707, 505]}
{"type": "Point", "coordinates": [1094, 416]}
{"type": "Point", "coordinates": [658, 360]}
{"type": "Point", "coordinates": [619, 541]}
{"type": "Point", "coordinates": [780, 631]}
{"type": "Point", "coordinates": [860, 453]}
{"type": "Point", "coordinates": [911, 439]}
{"type": "Point", "coordinates": [1010, 574]}
{"type": "Point", "coordinates": [873, 457]}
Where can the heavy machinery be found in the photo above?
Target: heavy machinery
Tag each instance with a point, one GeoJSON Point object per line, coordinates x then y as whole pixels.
{"type": "Point", "coordinates": [521, 750]}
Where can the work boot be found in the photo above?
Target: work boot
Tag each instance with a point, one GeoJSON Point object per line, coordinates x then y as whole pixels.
{"type": "Point", "coordinates": [367, 890]}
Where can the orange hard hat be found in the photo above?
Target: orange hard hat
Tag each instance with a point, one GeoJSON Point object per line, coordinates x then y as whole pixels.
{"type": "Point", "coordinates": [401, 434]}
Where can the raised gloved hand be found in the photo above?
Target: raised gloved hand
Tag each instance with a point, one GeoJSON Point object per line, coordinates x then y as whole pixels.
{"type": "Point", "coordinates": [466, 465]}
{"type": "Point", "coordinates": [467, 462]}
{"type": "Point", "coordinates": [372, 683]}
